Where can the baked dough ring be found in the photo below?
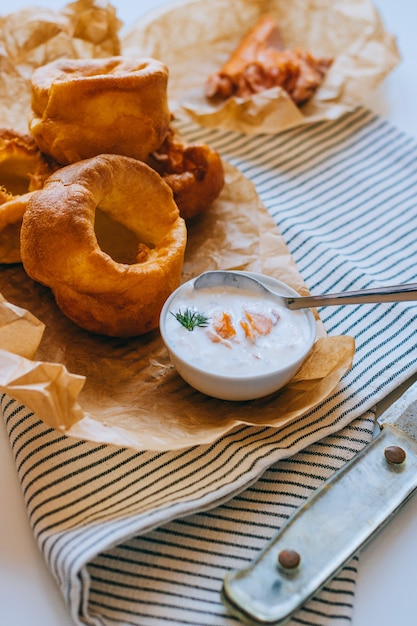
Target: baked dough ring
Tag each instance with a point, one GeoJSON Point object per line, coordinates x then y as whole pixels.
{"type": "Point", "coordinates": [23, 170]}
{"type": "Point", "coordinates": [85, 107]}
{"type": "Point", "coordinates": [90, 204]}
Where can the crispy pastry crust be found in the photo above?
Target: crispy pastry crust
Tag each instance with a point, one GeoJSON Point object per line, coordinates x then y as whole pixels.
{"type": "Point", "coordinates": [193, 171]}
{"type": "Point", "coordinates": [23, 170]}
{"type": "Point", "coordinates": [85, 107]}
{"type": "Point", "coordinates": [60, 249]}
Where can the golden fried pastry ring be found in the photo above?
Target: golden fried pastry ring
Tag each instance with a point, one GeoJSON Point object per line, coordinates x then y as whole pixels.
{"type": "Point", "coordinates": [106, 236]}
{"type": "Point", "coordinates": [23, 170]}
{"type": "Point", "coordinates": [85, 107]}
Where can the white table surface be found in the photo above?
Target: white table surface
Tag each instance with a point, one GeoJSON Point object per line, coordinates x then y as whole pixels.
{"type": "Point", "coordinates": [385, 593]}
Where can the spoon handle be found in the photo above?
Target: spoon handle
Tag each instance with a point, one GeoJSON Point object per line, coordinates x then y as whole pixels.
{"type": "Point", "coordinates": [398, 293]}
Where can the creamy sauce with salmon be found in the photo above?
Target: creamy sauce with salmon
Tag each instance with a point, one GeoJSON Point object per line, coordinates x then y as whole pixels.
{"type": "Point", "coordinates": [243, 333]}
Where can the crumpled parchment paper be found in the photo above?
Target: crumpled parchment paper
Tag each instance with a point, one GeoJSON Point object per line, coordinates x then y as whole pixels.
{"type": "Point", "coordinates": [126, 392]}
{"type": "Point", "coordinates": [194, 38]}
{"type": "Point", "coordinates": [34, 36]}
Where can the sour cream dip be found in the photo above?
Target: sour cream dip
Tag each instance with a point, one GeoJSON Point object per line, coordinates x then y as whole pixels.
{"type": "Point", "coordinates": [243, 333]}
{"type": "Point", "coordinates": [232, 335]}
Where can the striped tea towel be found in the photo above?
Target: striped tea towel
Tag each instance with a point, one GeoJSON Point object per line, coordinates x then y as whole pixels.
{"type": "Point", "coordinates": [144, 538]}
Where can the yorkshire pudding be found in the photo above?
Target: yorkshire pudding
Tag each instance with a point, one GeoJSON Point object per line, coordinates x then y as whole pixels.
{"type": "Point", "coordinates": [193, 171]}
{"type": "Point", "coordinates": [85, 107]}
{"type": "Point", "coordinates": [23, 170]}
{"type": "Point", "coordinates": [106, 236]}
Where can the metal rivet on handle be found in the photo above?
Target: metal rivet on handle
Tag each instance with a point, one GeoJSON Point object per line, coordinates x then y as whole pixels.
{"type": "Point", "coordinates": [394, 454]}
{"type": "Point", "coordinates": [289, 559]}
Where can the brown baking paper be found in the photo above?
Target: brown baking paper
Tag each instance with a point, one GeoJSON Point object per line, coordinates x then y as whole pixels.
{"type": "Point", "coordinates": [34, 36]}
{"type": "Point", "coordinates": [125, 391]}
{"type": "Point", "coordinates": [194, 38]}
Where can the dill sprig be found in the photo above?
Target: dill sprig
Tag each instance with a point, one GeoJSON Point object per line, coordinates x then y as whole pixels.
{"type": "Point", "coordinates": [190, 318]}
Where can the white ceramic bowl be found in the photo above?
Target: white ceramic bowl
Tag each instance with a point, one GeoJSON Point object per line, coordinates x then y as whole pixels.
{"type": "Point", "coordinates": [243, 382]}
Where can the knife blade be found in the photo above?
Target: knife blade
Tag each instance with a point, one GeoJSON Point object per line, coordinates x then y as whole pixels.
{"type": "Point", "coordinates": [325, 533]}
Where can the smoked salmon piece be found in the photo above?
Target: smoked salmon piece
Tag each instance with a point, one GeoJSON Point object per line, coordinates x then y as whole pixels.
{"type": "Point", "coordinates": [261, 62]}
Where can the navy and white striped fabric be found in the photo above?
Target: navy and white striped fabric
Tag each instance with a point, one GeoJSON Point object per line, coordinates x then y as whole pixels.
{"type": "Point", "coordinates": [146, 539]}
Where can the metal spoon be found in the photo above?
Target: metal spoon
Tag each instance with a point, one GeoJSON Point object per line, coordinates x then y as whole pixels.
{"type": "Point", "coordinates": [220, 278]}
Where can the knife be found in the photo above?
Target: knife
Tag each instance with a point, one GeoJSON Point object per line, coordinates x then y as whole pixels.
{"type": "Point", "coordinates": [333, 525]}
